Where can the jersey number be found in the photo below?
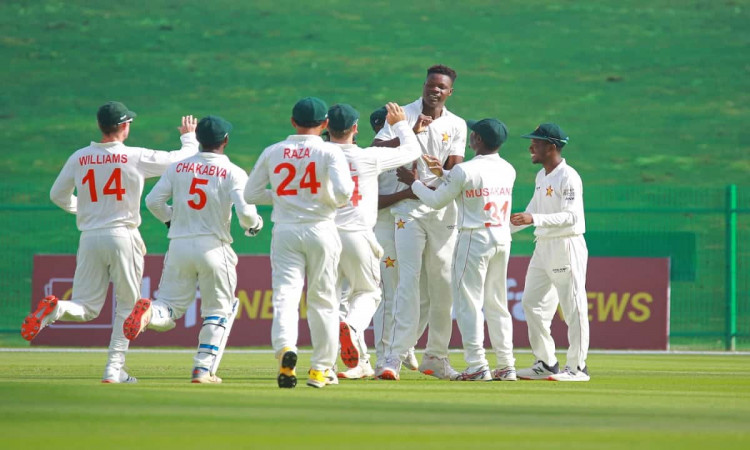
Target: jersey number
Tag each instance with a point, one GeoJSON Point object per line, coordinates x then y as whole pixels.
{"type": "Point", "coordinates": [195, 189]}
{"type": "Point", "coordinates": [493, 210]}
{"type": "Point", "coordinates": [113, 186]}
{"type": "Point", "coordinates": [356, 196]}
{"type": "Point", "coordinates": [308, 181]}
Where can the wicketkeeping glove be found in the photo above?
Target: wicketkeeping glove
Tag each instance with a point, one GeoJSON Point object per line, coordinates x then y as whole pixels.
{"type": "Point", "coordinates": [251, 232]}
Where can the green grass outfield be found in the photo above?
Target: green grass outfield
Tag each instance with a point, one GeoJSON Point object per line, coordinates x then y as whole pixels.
{"type": "Point", "coordinates": [654, 94]}
{"type": "Point", "coordinates": [55, 400]}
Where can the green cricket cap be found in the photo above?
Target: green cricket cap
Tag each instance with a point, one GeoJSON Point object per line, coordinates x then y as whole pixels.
{"type": "Point", "coordinates": [377, 118]}
{"type": "Point", "coordinates": [211, 130]}
{"type": "Point", "coordinates": [492, 131]}
{"type": "Point", "coordinates": [114, 113]}
{"type": "Point", "coordinates": [310, 111]}
{"type": "Point", "coordinates": [549, 132]}
{"type": "Point", "coordinates": [342, 117]}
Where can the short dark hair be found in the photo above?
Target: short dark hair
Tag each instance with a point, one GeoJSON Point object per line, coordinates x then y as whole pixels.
{"type": "Point", "coordinates": [109, 129]}
{"type": "Point", "coordinates": [210, 147]}
{"type": "Point", "coordinates": [338, 134]}
{"type": "Point", "coordinates": [443, 70]}
{"type": "Point", "coordinates": [313, 124]}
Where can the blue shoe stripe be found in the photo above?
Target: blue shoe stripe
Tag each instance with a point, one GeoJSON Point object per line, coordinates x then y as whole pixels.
{"type": "Point", "coordinates": [209, 346]}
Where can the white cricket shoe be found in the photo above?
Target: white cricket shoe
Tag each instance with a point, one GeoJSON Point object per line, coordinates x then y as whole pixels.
{"type": "Point", "coordinates": [390, 370]}
{"type": "Point", "coordinates": [321, 378]}
{"type": "Point", "coordinates": [571, 375]}
{"type": "Point", "coordinates": [411, 362]}
{"type": "Point", "coordinates": [437, 367]}
{"type": "Point", "coordinates": [363, 370]}
{"type": "Point", "coordinates": [204, 376]}
{"type": "Point", "coordinates": [331, 377]}
{"type": "Point", "coordinates": [539, 371]}
{"type": "Point", "coordinates": [507, 373]}
{"type": "Point", "coordinates": [481, 373]}
{"type": "Point", "coordinates": [114, 374]}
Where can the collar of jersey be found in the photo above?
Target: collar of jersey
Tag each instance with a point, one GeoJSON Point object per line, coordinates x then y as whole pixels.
{"type": "Point", "coordinates": [303, 137]}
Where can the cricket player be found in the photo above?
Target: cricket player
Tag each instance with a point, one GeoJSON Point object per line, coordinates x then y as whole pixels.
{"type": "Point", "coordinates": [383, 318]}
{"type": "Point", "coordinates": [423, 235]}
{"type": "Point", "coordinates": [483, 188]}
{"type": "Point", "coordinates": [558, 264]}
{"type": "Point", "coordinates": [107, 177]}
{"type": "Point", "coordinates": [377, 119]}
{"type": "Point", "coordinates": [309, 179]}
{"type": "Point", "coordinates": [203, 189]}
{"type": "Point", "coordinates": [359, 264]}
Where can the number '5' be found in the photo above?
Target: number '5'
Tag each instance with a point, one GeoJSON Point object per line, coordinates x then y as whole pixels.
{"type": "Point", "coordinates": [195, 189]}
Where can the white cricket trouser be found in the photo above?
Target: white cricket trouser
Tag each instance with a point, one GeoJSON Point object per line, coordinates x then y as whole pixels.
{"type": "Point", "coordinates": [360, 267]}
{"type": "Point", "coordinates": [558, 263]}
{"type": "Point", "coordinates": [207, 261]}
{"type": "Point", "coordinates": [480, 274]}
{"type": "Point", "coordinates": [382, 320]}
{"type": "Point", "coordinates": [311, 249]}
{"type": "Point", "coordinates": [429, 241]}
{"type": "Point", "coordinates": [212, 264]}
{"type": "Point", "coordinates": [104, 255]}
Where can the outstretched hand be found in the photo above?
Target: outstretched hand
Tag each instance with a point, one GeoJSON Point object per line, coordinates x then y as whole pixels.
{"type": "Point", "coordinates": [434, 164]}
{"type": "Point", "coordinates": [423, 122]}
{"type": "Point", "coordinates": [519, 219]}
{"type": "Point", "coordinates": [189, 123]}
{"type": "Point", "coordinates": [395, 113]}
{"type": "Point", "coordinates": [407, 176]}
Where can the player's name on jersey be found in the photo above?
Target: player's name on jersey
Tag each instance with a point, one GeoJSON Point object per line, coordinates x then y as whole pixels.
{"type": "Point", "coordinates": [88, 160]}
{"type": "Point", "coordinates": [202, 169]}
{"type": "Point", "coordinates": [296, 153]}
{"type": "Point", "coordinates": [486, 192]}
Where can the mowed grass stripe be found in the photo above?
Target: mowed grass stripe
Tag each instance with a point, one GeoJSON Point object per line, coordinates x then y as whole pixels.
{"type": "Point", "coordinates": [61, 394]}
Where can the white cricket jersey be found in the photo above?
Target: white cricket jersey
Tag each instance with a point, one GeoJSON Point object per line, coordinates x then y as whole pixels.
{"type": "Point", "coordinates": [203, 189]}
{"type": "Point", "coordinates": [557, 204]}
{"type": "Point", "coordinates": [309, 179]}
{"type": "Point", "coordinates": [108, 180]}
{"type": "Point", "coordinates": [444, 137]}
{"type": "Point", "coordinates": [365, 164]}
{"type": "Point", "coordinates": [483, 190]}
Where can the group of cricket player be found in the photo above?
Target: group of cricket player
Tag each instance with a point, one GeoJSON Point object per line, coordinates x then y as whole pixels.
{"type": "Point", "coordinates": [404, 235]}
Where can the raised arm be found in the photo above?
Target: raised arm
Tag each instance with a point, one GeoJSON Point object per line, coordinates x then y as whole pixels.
{"type": "Point", "coordinates": [153, 163]}
{"type": "Point", "coordinates": [408, 151]}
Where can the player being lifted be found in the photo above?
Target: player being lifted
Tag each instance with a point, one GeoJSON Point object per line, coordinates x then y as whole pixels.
{"type": "Point", "coordinates": [483, 188]}
{"type": "Point", "coordinates": [382, 320]}
{"type": "Point", "coordinates": [359, 264]}
{"type": "Point", "coordinates": [424, 235]}
{"type": "Point", "coordinates": [107, 177]}
{"type": "Point", "coordinates": [309, 179]}
{"type": "Point", "coordinates": [203, 189]}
